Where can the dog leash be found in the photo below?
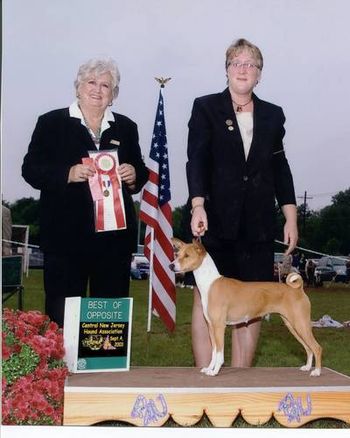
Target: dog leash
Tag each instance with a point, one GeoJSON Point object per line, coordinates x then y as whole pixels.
{"type": "Point", "coordinates": [199, 238]}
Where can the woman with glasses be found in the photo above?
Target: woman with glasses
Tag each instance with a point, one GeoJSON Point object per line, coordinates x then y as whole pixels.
{"type": "Point", "coordinates": [236, 169]}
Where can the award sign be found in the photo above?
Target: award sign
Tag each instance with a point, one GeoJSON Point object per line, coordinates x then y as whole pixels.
{"type": "Point", "coordinates": [97, 334]}
{"type": "Point", "coordinates": [106, 190]}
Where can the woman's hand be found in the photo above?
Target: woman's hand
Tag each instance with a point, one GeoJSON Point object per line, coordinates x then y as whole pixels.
{"type": "Point", "coordinates": [290, 227]}
{"type": "Point", "coordinates": [199, 221]}
{"type": "Point", "coordinates": [80, 173]}
{"type": "Point", "coordinates": [127, 174]}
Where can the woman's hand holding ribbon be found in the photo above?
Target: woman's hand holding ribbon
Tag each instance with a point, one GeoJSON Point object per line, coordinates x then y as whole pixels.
{"type": "Point", "coordinates": [80, 173]}
{"type": "Point", "coordinates": [127, 174]}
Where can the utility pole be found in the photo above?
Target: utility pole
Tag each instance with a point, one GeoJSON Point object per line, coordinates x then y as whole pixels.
{"type": "Point", "coordinates": [305, 197]}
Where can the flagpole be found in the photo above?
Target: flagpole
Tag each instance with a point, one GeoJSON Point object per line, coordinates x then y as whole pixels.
{"type": "Point", "coordinates": [150, 282]}
{"type": "Point", "coordinates": [162, 81]}
{"type": "Point", "coordinates": [157, 215]}
{"type": "Point", "coordinates": [139, 223]}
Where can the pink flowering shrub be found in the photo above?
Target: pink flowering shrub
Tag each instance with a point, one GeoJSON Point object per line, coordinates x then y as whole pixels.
{"type": "Point", "coordinates": [33, 371]}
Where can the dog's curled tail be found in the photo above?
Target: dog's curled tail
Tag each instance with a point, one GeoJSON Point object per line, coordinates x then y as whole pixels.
{"type": "Point", "coordinates": [294, 280]}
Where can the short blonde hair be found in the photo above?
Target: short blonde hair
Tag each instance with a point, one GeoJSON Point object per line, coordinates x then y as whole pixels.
{"type": "Point", "coordinates": [99, 66]}
{"type": "Point", "coordinates": [238, 46]}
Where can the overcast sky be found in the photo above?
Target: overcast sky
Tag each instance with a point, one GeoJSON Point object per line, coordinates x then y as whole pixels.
{"type": "Point", "coordinates": [305, 44]}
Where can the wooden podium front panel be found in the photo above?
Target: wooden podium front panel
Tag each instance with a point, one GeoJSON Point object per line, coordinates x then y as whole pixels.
{"type": "Point", "coordinates": [149, 396]}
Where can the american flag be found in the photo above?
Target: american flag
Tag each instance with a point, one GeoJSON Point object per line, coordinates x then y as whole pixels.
{"type": "Point", "coordinates": [156, 212]}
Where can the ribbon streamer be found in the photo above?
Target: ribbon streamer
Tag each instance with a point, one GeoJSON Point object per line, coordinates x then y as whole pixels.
{"type": "Point", "coordinates": [105, 164]}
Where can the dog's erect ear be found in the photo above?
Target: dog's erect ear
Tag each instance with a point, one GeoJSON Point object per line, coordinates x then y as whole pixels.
{"type": "Point", "coordinates": [177, 243]}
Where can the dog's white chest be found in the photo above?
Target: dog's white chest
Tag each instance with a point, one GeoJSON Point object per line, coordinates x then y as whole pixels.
{"type": "Point", "coordinates": [205, 275]}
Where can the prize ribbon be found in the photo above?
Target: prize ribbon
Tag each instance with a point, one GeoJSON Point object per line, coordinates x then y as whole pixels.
{"type": "Point", "coordinates": [106, 165]}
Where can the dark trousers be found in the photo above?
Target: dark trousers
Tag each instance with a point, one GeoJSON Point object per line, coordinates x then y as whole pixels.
{"type": "Point", "coordinates": [68, 275]}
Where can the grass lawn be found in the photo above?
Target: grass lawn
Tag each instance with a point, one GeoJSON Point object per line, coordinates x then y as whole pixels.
{"type": "Point", "coordinates": [276, 348]}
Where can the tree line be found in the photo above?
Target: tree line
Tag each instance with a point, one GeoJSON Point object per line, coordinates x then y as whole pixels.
{"type": "Point", "coordinates": [326, 230]}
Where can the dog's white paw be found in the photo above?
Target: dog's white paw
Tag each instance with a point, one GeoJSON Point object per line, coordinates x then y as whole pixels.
{"type": "Point", "coordinates": [211, 372]}
{"type": "Point", "coordinates": [205, 370]}
{"type": "Point", "coordinates": [305, 368]}
{"type": "Point", "coordinates": [316, 372]}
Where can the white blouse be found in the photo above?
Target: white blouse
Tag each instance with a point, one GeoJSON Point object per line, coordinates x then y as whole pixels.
{"type": "Point", "coordinates": [75, 111]}
{"type": "Point", "coordinates": [245, 123]}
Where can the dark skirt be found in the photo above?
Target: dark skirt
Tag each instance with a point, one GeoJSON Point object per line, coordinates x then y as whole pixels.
{"type": "Point", "coordinates": [240, 259]}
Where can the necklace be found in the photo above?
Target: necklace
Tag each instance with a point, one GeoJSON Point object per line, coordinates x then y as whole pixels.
{"type": "Point", "coordinates": [96, 136]}
{"type": "Point", "coordinates": [239, 107]}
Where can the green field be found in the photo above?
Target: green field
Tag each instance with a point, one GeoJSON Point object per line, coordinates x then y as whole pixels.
{"type": "Point", "coordinates": [276, 348]}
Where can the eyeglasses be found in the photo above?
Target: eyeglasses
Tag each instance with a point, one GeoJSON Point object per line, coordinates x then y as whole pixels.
{"type": "Point", "coordinates": [245, 65]}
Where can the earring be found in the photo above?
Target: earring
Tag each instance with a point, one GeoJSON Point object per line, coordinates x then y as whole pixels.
{"type": "Point", "coordinates": [110, 104]}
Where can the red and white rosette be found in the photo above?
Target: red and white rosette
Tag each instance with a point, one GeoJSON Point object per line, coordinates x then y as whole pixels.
{"type": "Point", "coordinates": [109, 208]}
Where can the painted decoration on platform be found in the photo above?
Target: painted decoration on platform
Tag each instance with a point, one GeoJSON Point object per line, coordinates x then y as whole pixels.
{"type": "Point", "coordinates": [97, 334]}
{"type": "Point", "coordinates": [293, 408]}
{"type": "Point", "coordinates": [149, 410]}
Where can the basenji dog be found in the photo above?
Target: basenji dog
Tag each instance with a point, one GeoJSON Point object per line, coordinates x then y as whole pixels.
{"type": "Point", "coordinates": [229, 301]}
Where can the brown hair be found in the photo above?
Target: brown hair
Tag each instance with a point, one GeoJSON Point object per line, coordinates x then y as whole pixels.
{"type": "Point", "coordinates": [238, 46]}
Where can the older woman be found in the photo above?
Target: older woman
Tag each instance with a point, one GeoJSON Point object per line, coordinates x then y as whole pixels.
{"type": "Point", "coordinates": [74, 252]}
{"type": "Point", "coordinates": [236, 168]}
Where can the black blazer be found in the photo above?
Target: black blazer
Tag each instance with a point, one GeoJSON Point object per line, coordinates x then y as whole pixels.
{"type": "Point", "coordinates": [239, 193]}
{"type": "Point", "coordinates": [67, 211]}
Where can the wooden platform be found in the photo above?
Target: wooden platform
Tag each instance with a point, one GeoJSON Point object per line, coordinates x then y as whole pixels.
{"type": "Point", "coordinates": [149, 396]}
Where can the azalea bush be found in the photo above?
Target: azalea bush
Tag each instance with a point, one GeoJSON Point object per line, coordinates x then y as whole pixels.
{"type": "Point", "coordinates": [33, 371]}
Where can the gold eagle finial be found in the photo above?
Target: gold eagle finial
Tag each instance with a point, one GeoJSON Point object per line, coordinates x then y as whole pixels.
{"type": "Point", "coordinates": [162, 81]}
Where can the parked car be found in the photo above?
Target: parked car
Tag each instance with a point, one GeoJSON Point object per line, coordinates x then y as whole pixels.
{"type": "Point", "coordinates": [135, 274]}
{"type": "Point", "coordinates": [331, 269]}
{"type": "Point", "coordinates": [36, 259]}
{"type": "Point", "coordinates": [139, 267]}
